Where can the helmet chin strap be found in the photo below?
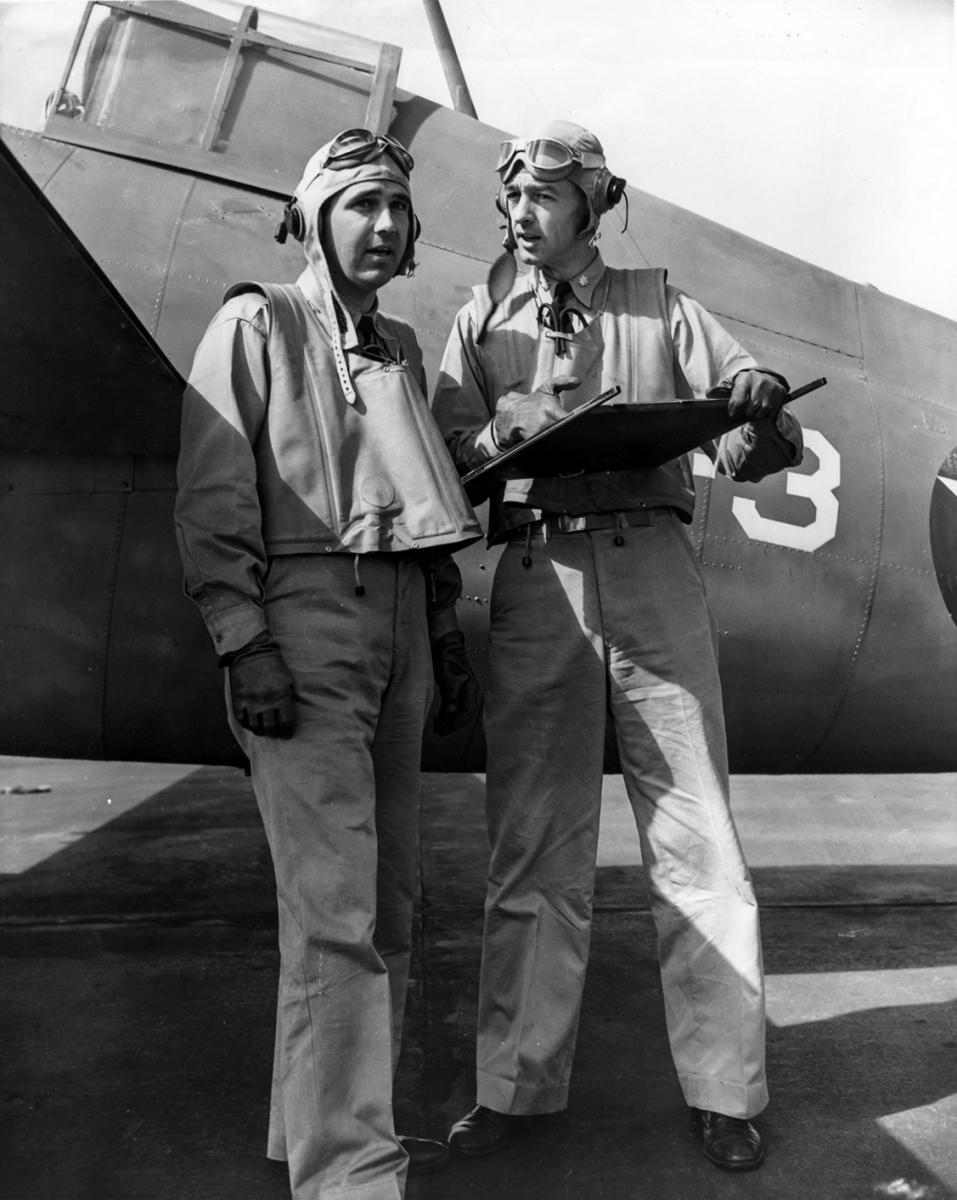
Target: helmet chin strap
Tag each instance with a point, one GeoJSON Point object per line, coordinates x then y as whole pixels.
{"type": "Point", "coordinates": [316, 259]}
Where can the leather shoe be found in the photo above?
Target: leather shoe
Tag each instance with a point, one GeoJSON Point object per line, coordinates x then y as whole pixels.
{"type": "Point", "coordinates": [425, 1155]}
{"type": "Point", "coordinates": [480, 1132]}
{"type": "Point", "coordinates": [729, 1142]}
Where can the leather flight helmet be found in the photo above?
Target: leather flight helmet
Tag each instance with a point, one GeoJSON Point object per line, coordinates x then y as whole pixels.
{"type": "Point", "coordinates": [353, 156]}
{"type": "Point", "coordinates": [561, 150]}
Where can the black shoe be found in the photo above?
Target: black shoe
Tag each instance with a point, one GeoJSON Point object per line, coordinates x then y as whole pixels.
{"type": "Point", "coordinates": [729, 1142]}
{"type": "Point", "coordinates": [480, 1132]}
{"type": "Point", "coordinates": [425, 1155]}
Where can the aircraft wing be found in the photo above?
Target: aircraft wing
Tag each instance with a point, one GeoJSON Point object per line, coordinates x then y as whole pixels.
{"type": "Point", "coordinates": [97, 381]}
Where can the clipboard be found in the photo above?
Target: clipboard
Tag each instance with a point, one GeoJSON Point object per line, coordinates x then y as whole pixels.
{"type": "Point", "coordinates": [497, 467]}
{"type": "Point", "coordinates": [619, 437]}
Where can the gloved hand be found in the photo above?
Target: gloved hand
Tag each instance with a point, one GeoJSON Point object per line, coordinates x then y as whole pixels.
{"type": "Point", "coordinates": [260, 688]}
{"type": "Point", "coordinates": [456, 681]}
{"type": "Point", "coordinates": [757, 395]}
{"type": "Point", "coordinates": [518, 415]}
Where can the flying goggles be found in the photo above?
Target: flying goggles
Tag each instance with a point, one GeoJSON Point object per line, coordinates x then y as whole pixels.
{"type": "Point", "coordinates": [546, 158]}
{"type": "Point", "coordinates": [359, 146]}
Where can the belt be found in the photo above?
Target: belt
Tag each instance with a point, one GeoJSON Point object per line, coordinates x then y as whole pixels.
{"type": "Point", "coordinates": [566, 523]}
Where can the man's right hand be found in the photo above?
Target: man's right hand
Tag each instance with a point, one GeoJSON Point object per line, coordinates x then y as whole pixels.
{"type": "Point", "coordinates": [260, 689]}
{"type": "Point", "coordinates": [519, 416]}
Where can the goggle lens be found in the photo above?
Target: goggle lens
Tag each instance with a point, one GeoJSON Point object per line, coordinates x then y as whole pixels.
{"type": "Point", "coordinates": [546, 157]}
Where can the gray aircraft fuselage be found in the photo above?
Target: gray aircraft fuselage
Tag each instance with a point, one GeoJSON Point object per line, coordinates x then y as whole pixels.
{"type": "Point", "coordinates": [159, 180]}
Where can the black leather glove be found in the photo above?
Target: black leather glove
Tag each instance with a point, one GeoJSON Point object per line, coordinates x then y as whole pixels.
{"type": "Point", "coordinates": [260, 688]}
{"type": "Point", "coordinates": [757, 395]}
{"type": "Point", "coordinates": [519, 416]}
{"type": "Point", "coordinates": [456, 681]}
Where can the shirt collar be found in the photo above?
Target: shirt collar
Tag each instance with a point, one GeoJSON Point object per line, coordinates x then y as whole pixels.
{"type": "Point", "coordinates": [583, 284]}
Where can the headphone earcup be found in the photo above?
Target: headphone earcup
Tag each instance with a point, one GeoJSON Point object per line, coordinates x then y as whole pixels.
{"type": "Point", "coordinates": [407, 264]}
{"type": "Point", "coordinates": [292, 223]}
{"type": "Point", "coordinates": [615, 190]}
{"type": "Point", "coordinates": [508, 242]}
{"type": "Point", "coordinates": [295, 221]}
{"type": "Point", "coordinates": [608, 190]}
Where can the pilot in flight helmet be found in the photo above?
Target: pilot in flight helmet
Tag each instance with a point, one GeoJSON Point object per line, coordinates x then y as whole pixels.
{"type": "Point", "coordinates": [353, 156]}
{"type": "Point", "coordinates": [561, 150]}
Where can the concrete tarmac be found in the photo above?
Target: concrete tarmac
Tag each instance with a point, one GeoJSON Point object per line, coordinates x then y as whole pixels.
{"type": "Point", "coordinates": [138, 973]}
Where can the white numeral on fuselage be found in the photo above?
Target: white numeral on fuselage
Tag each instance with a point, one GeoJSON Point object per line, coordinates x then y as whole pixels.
{"type": "Point", "coordinates": [818, 487]}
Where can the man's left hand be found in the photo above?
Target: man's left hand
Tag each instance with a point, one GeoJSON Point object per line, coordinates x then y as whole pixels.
{"type": "Point", "coordinates": [756, 396]}
{"type": "Point", "coordinates": [456, 681]}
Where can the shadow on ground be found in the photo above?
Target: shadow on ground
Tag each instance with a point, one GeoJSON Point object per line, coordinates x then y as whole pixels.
{"type": "Point", "coordinates": [138, 985]}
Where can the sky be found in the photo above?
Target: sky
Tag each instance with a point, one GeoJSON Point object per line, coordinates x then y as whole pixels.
{"type": "Point", "coordinates": [825, 128]}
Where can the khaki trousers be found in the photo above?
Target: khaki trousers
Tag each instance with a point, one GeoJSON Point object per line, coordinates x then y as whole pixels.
{"type": "Point", "coordinates": [590, 629]}
{"type": "Point", "coordinates": [340, 804]}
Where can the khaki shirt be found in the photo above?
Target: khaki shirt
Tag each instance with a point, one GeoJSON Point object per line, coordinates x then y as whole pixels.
{"type": "Point", "coordinates": [637, 331]}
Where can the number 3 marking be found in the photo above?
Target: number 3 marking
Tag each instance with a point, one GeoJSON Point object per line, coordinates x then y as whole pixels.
{"type": "Point", "coordinates": [817, 487]}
